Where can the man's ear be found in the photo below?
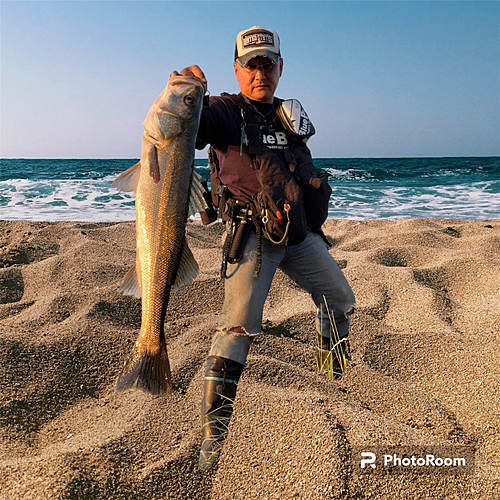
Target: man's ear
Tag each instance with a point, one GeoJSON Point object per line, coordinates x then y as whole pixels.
{"type": "Point", "coordinates": [281, 66]}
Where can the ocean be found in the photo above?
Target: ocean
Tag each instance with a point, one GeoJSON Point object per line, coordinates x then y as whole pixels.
{"type": "Point", "coordinates": [363, 188]}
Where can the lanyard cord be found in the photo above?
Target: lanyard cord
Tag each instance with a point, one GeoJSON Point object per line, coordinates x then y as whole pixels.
{"type": "Point", "coordinates": [243, 125]}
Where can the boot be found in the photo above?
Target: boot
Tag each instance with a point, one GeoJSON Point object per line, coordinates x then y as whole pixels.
{"type": "Point", "coordinates": [331, 357]}
{"type": "Point", "coordinates": [221, 381]}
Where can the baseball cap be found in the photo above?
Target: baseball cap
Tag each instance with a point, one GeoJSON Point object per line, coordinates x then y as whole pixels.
{"type": "Point", "coordinates": [257, 41]}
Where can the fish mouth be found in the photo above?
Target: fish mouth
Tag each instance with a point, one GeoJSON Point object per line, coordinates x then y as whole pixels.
{"type": "Point", "coordinates": [168, 112]}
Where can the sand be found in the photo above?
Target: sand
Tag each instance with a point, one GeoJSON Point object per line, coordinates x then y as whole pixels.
{"type": "Point", "coordinates": [425, 369]}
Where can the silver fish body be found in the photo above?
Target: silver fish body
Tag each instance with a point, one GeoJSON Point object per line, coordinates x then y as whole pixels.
{"type": "Point", "coordinates": [167, 191]}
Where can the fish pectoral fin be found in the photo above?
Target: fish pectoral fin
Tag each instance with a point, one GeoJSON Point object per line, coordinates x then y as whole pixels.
{"type": "Point", "coordinates": [130, 283]}
{"type": "Point", "coordinates": [151, 154]}
{"type": "Point", "coordinates": [197, 202]}
{"type": "Point", "coordinates": [128, 180]}
{"type": "Point", "coordinates": [188, 268]}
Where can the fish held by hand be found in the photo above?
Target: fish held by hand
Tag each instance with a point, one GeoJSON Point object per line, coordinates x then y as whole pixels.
{"type": "Point", "coordinates": [168, 190]}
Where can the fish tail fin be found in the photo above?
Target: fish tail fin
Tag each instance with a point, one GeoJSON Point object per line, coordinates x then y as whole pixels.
{"type": "Point", "coordinates": [149, 372]}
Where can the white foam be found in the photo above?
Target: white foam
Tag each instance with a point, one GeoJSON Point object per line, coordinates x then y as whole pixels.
{"type": "Point", "coordinates": [95, 200]}
{"type": "Point", "coordinates": [476, 201]}
{"type": "Point", "coordinates": [50, 200]}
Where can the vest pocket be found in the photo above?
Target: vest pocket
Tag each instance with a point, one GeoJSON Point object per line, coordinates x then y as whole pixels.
{"type": "Point", "coordinates": [282, 213]}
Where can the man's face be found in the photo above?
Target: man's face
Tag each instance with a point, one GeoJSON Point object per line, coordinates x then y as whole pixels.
{"type": "Point", "coordinates": [259, 84]}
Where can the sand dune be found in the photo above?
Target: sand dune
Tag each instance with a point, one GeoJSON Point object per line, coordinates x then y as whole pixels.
{"type": "Point", "coordinates": [425, 369]}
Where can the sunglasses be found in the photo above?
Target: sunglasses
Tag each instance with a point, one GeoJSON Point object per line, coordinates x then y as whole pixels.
{"type": "Point", "coordinates": [253, 68]}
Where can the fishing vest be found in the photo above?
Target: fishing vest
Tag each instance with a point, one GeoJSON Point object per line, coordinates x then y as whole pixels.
{"type": "Point", "coordinates": [285, 192]}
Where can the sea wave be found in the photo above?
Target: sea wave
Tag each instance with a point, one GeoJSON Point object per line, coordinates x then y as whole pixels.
{"type": "Point", "coordinates": [52, 200]}
{"type": "Point", "coordinates": [362, 189]}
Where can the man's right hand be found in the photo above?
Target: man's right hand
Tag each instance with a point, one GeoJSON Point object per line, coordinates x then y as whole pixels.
{"type": "Point", "coordinates": [194, 70]}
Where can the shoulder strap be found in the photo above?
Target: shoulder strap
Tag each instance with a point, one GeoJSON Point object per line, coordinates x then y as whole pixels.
{"type": "Point", "coordinates": [250, 122]}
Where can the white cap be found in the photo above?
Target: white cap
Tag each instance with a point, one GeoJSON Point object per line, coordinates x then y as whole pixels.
{"type": "Point", "coordinates": [255, 42]}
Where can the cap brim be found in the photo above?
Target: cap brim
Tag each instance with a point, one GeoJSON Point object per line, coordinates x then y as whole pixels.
{"type": "Point", "coordinates": [244, 60]}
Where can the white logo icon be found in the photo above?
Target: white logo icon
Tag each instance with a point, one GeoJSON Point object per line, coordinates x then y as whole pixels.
{"type": "Point", "coordinates": [368, 461]}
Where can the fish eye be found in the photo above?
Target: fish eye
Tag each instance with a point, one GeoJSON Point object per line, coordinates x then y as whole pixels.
{"type": "Point", "coordinates": [189, 100]}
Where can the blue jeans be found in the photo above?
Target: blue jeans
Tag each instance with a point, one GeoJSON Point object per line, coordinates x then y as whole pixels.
{"type": "Point", "coordinates": [309, 264]}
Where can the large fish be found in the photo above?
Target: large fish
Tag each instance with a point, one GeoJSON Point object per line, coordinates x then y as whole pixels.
{"type": "Point", "coordinates": [167, 190]}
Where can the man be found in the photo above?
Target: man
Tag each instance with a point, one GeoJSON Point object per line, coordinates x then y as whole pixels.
{"type": "Point", "coordinates": [276, 204]}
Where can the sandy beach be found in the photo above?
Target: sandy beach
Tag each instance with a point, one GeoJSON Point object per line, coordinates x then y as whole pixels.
{"type": "Point", "coordinates": [425, 369]}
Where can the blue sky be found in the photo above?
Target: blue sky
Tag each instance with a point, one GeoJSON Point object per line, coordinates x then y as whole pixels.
{"type": "Point", "coordinates": [378, 79]}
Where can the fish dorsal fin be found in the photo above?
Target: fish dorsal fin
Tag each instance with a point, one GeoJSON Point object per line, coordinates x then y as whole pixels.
{"type": "Point", "coordinates": [130, 283]}
{"type": "Point", "coordinates": [197, 202]}
{"type": "Point", "coordinates": [128, 180]}
{"type": "Point", "coordinates": [188, 268]}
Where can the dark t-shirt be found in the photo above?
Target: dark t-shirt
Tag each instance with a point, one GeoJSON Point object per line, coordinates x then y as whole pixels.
{"type": "Point", "coordinates": [220, 126]}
